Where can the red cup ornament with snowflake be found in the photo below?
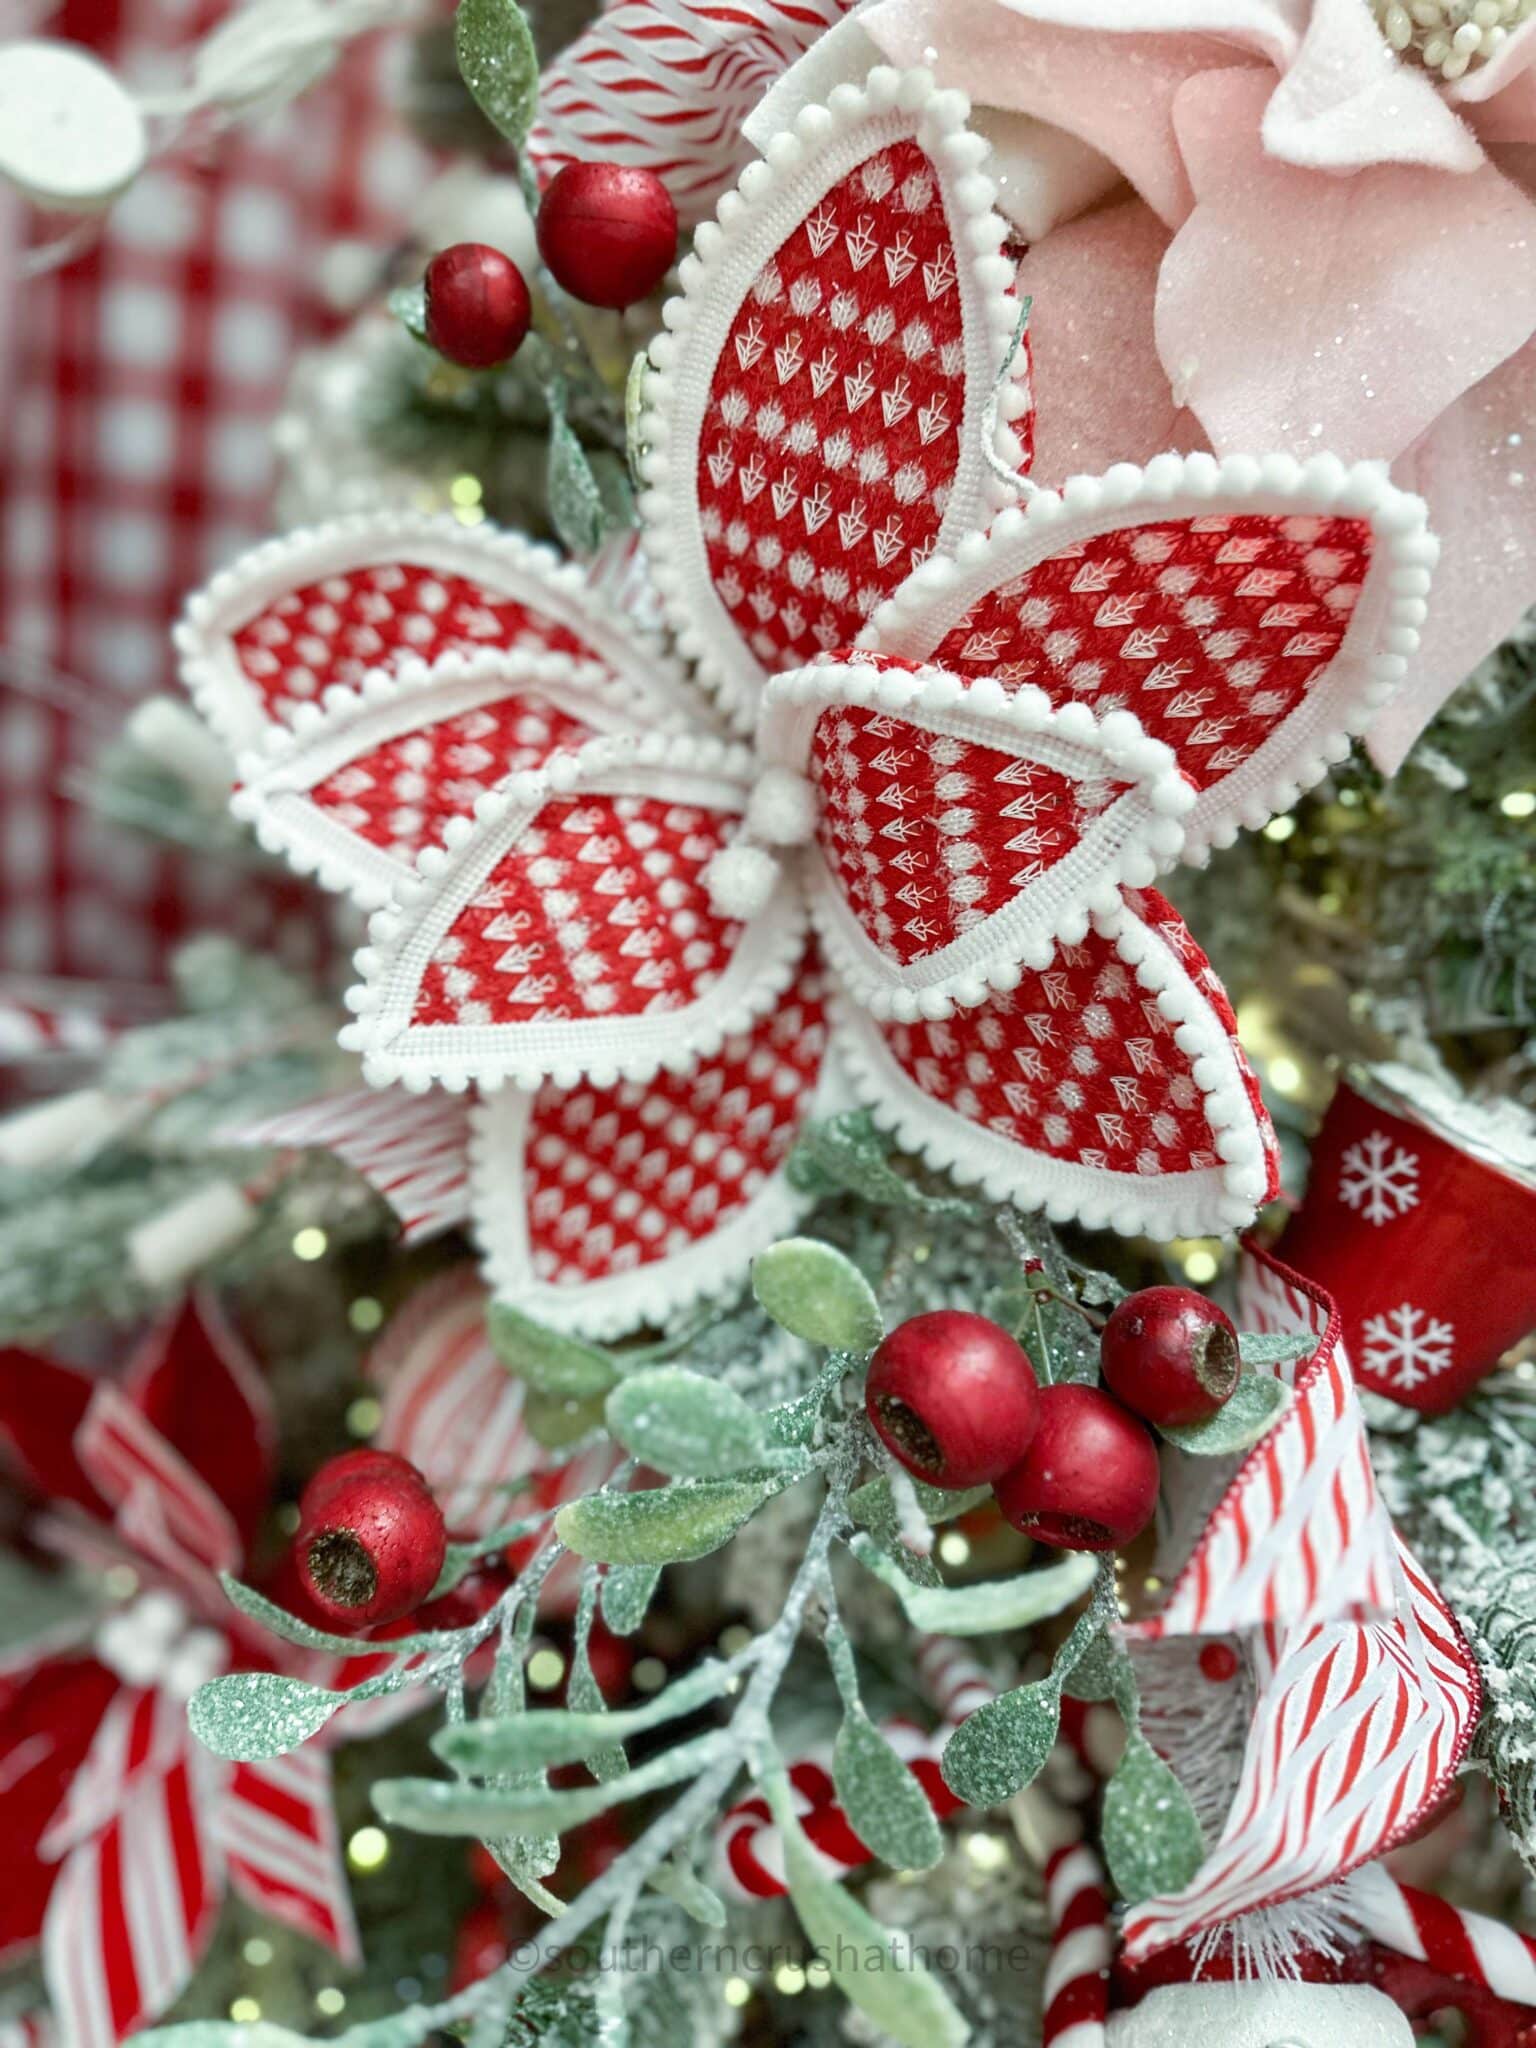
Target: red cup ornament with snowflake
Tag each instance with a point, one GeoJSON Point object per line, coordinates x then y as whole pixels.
{"type": "Point", "coordinates": [1420, 1224]}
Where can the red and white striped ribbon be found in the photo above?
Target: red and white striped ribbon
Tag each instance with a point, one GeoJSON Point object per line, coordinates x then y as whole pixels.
{"type": "Point", "coordinates": [1467, 1946]}
{"type": "Point", "coordinates": [411, 1149]}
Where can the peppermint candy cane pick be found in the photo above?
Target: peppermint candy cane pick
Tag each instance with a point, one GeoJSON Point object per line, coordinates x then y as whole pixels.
{"type": "Point", "coordinates": [1469, 1947]}
{"type": "Point", "coordinates": [749, 1849]}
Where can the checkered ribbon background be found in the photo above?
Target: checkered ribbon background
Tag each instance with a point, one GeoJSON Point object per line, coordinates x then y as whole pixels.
{"type": "Point", "coordinates": [140, 383]}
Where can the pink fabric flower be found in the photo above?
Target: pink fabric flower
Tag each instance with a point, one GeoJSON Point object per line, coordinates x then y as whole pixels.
{"type": "Point", "coordinates": [1345, 262]}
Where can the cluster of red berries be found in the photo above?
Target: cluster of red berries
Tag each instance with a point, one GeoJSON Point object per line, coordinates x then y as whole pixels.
{"type": "Point", "coordinates": [607, 234]}
{"type": "Point", "coordinates": [955, 1400]}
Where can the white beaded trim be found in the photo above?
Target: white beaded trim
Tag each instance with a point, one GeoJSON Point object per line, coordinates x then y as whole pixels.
{"type": "Point", "coordinates": [711, 1270]}
{"type": "Point", "coordinates": [1206, 1201]}
{"type": "Point", "coordinates": [773, 196]}
{"type": "Point", "coordinates": [1373, 659]}
{"type": "Point", "coordinates": [402, 938]}
{"type": "Point", "coordinates": [505, 563]}
{"type": "Point", "coordinates": [277, 776]}
{"type": "Point", "coordinates": [1128, 844]}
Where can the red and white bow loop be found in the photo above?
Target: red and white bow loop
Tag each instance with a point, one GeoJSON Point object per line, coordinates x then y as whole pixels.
{"type": "Point", "coordinates": [1253, 614]}
{"type": "Point", "coordinates": [372, 679]}
{"type": "Point", "coordinates": [1359, 1698]}
{"type": "Point", "coordinates": [841, 389]}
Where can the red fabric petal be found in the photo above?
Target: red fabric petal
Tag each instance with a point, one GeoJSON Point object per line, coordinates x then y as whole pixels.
{"type": "Point", "coordinates": [41, 1407]}
{"type": "Point", "coordinates": [47, 1723]}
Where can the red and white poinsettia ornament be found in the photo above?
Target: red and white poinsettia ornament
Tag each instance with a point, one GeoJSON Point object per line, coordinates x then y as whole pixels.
{"type": "Point", "coordinates": [980, 731]}
{"type": "Point", "coordinates": [119, 1832]}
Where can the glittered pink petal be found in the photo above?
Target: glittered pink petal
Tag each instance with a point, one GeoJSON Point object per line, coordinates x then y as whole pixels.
{"type": "Point", "coordinates": [1272, 28]}
{"type": "Point", "coordinates": [1347, 100]}
{"type": "Point", "coordinates": [1115, 93]}
{"type": "Point", "coordinates": [1477, 469]}
{"type": "Point", "coordinates": [1305, 312]}
{"type": "Point", "coordinates": [1101, 394]}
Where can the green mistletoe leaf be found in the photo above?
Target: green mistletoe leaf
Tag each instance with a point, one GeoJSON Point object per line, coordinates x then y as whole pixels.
{"type": "Point", "coordinates": [1003, 1746]}
{"type": "Point", "coordinates": [668, 1525]}
{"type": "Point", "coordinates": [886, 1807]}
{"type": "Point", "coordinates": [814, 1292]}
{"type": "Point", "coordinates": [1255, 1405]}
{"type": "Point", "coordinates": [252, 1715]}
{"type": "Point", "coordinates": [1152, 1839]}
{"type": "Point", "coordinates": [685, 1425]}
{"type": "Point", "coordinates": [498, 62]}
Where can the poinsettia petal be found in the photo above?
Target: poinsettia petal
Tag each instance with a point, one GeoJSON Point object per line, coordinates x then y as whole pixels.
{"type": "Point", "coordinates": [384, 596]}
{"type": "Point", "coordinates": [354, 791]}
{"type": "Point", "coordinates": [963, 831]}
{"type": "Point", "coordinates": [48, 1722]}
{"type": "Point", "coordinates": [1252, 613]}
{"type": "Point", "coordinates": [601, 1209]}
{"type": "Point", "coordinates": [197, 1385]}
{"type": "Point", "coordinates": [566, 931]}
{"type": "Point", "coordinates": [826, 406]}
{"type": "Point", "coordinates": [1109, 1090]}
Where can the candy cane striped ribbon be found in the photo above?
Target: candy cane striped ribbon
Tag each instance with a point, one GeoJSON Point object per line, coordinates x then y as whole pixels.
{"type": "Point", "coordinates": [411, 1149]}
{"type": "Point", "coordinates": [1467, 1946]}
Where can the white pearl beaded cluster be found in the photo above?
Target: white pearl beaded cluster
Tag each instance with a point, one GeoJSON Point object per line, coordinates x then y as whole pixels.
{"type": "Point", "coordinates": [1450, 36]}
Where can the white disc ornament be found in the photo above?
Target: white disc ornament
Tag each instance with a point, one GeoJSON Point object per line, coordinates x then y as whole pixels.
{"type": "Point", "coordinates": [1262, 2016]}
{"type": "Point", "coordinates": [71, 138]}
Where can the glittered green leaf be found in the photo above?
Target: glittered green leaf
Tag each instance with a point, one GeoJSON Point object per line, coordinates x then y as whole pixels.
{"type": "Point", "coordinates": [499, 64]}
{"type": "Point", "coordinates": [1255, 1405]}
{"type": "Point", "coordinates": [886, 1807]}
{"type": "Point", "coordinates": [408, 303]}
{"type": "Point", "coordinates": [252, 1715]}
{"type": "Point", "coordinates": [1003, 1746]}
{"type": "Point", "coordinates": [1151, 1836]}
{"type": "Point", "coordinates": [279, 1622]}
{"type": "Point", "coordinates": [814, 1292]}
{"type": "Point", "coordinates": [667, 1525]}
{"type": "Point", "coordinates": [675, 1881]}
{"type": "Point", "coordinates": [685, 1425]}
{"type": "Point", "coordinates": [875, 1971]}
{"type": "Point", "coordinates": [575, 499]}
{"type": "Point", "coordinates": [549, 1736]}
{"type": "Point", "coordinates": [628, 1590]}
{"type": "Point", "coordinates": [847, 1151]}
{"type": "Point", "coordinates": [988, 1608]}
{"type": "Point", "coordinates": [547, 1360]}
{"type": "Point", "coordinates": [559, 1420]}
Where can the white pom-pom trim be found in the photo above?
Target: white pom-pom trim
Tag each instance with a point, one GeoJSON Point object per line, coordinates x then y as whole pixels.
{"type": "Point", "coordinates": [1372, 659]}
{"type": "Point", "coordinates": [741, 880]}
{"type": "Point", "coordinates": [783, 807]}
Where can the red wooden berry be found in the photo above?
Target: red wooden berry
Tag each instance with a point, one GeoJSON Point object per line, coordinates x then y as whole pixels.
{"type": "Point", "coordinates": [364, 1462]}
{"type": "Point", "coordinates": [1171, 1355]}
{"type": "Point", "coordinates": [608, 232]}
{"type": "Point", "coordinates": [371, 1548]}
{"type": "Point", "coordinates": [478, 307]}
{"type": "Point", "coordinates": [952, 1397]}
{"type": "Point", "coordinates": [1089, 1479]}
{"type": "Point", "coordinates": [1218, 1662]}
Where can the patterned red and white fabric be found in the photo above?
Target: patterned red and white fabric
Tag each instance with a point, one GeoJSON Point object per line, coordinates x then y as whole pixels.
{"type": "Point", "coordinates": [841, 388]}
{"type": "Point", "coordinates": [376, 677]}
{"type": "Point", "coordinates": [1360, 1719]}
{"type": "Point", "coordinates": [411, 1149]}
{"type": "Point", "coordinates": [136, 455]}
{"type": "Point", "coordinates": [667, 84]}
{"type": "Point", "coordinates": [277, 1827]}
{"type": "Point", "coordinates": [1253, 614]}
{"type": "Point", "coordinates": [603, 1208]}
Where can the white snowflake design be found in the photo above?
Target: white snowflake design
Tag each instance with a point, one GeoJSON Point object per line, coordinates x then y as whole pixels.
{"type": "Point", "coordinates": [1380, 1179]}
{"type": "Point", "coordinates": [1407, 1346]}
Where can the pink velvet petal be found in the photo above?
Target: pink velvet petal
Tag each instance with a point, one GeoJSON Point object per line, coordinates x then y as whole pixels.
{"type": "Point", "coordinates": [1101, 394]}
{"type": "Point", "coordinates": [1310, 313]}
{"type": "Point", "coordinates": [1347, 101]}
{"type": "Point", "coordinates": [1114, 92]}
{"type": "Point", "coordinates": [1272, 28]}
{"type": "Point", "coordinates": [1476, 468]}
